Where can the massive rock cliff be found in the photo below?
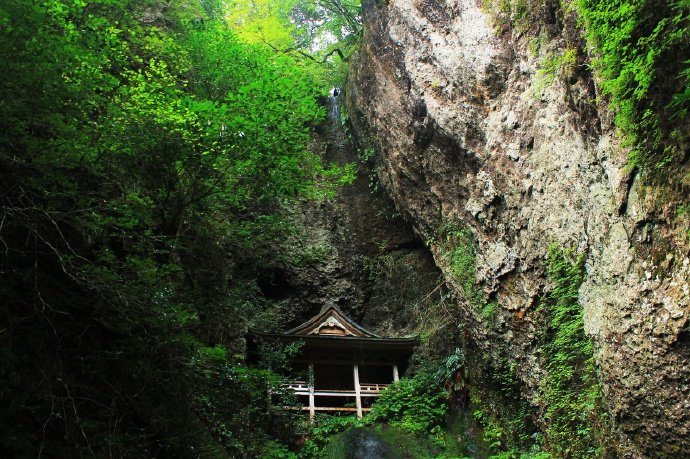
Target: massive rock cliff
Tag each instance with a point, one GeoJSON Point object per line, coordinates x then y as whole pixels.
{"type": "Point", "coordinates": [468, 134]}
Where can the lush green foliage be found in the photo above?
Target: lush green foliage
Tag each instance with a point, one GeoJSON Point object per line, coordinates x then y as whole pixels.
{"type": "Point", "coordinates": [575, 421]}
{"type": "Point", "coordinates": [450, 366]}
{"type": "Point", "coordinates": [145, 155]}
{"type": "Point", "coordinates": [312, 31]}
{"type": "Point", "coordinates": [498, 407]}
{"type": "Point", "coordinates": [415, 404]}
{"type": "Point", "coordinates": [322, 434]}
{"type": "Point", "coordinates": [296, 24]}
{"type": "Point", "coordinates": [462, 256]}
{"type": "Point", "coordinates": [409, 418]}
{"type": "Point", "coordinates": [641, 52]}
{"type": "Point", "coordinates": [575, 424]}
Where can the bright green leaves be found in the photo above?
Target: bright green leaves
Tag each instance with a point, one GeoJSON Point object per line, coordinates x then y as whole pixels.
{"type": "Point", "coordinates": [151, 108]}
{"type": "Point", "coordinates": [571, 392]}
{"type": "Point", "coordinates": [416, 404]}
{"type": "Point", "coordinates": [217, 354]}
{"type": "Point", "coordinates": [640, 48]}
{"type": "Point", "coordinates": [307, 25]}
{"type": "Point", "coordinates": [312, 32]}
{"type": "Point", "coordinates": [267, 104]}
{"type": "Point", "coordinates": [143, 168]}
{"type": "Point", "coordinates": [263, 21]}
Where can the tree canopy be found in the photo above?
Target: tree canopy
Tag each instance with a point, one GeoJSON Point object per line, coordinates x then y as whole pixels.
{"type": "Point", "coordinates": [146, 152]}
{"type": "Point", "coordinates": [315, 32]}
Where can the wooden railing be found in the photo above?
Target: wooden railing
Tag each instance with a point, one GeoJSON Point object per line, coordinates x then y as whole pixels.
{"type": "Point", "coordinates": [372, 388]}
{"type": "Point", "coordinates": [342, 409]}
{"type": "Point", "coordinates": [360, 391]}
{"type": "Point", "coordinates": [297, 386]}
{"type": "Point", "coordinates": [366, 390]}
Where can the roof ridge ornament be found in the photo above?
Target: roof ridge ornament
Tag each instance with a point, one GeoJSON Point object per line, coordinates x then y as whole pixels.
{"type": "Point", "coordinates": [331, 321]}
{"type": "Point", "coordinates": [331, 326]}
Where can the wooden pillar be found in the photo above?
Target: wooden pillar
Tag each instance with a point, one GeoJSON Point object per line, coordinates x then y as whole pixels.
{"type": "Point", "coordinates": [358, 392]}
{"type": "Point", "coordinates": [396, 376]}
{"type": "Point", "coordinates": [311, 377]}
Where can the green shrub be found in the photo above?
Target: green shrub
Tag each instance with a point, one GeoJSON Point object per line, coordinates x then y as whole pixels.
{"type": "Point", "coordinates": [321, 433]}
{"type": "Point", "coordinates": [462, 256]}
{"type": "Point", "coordinates": [451, 366]}
{"type": "Point", "coordinates": [575, 421]}
{"type": "Point", "coordinates": [555, 66]}
{"type": "Point", "coordinates": [641, 54]}
{"type": "Point", "coordinates": [275, 450]}
{"type": "Point", "coordinates": [416, 404]}
{"type": "Point", "coordinates": [499, 409]}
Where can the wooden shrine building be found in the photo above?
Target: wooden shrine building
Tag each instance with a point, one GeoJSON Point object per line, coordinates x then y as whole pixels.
{"type": "Point", "coordinates": [341, 367]}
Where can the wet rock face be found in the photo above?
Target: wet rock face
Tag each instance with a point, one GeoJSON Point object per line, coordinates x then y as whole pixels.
{"type": "Point", "coordinates": [469, 136]}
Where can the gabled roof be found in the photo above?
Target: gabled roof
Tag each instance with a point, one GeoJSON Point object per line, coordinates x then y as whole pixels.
{"type": "Point", "coordinates": [331, 336]}
{"type": "Point", "coordinates": [331, 321]}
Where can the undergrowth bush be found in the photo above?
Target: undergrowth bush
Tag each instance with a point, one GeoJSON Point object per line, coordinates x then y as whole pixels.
{"type": "Point", "coordinates": [575, 420]}
{"type": "Point", "coordinates": [416, 404]}
{"type": "Point", "coordinates": [641, 54]}
{"type": "Point", "coordinates": [322, 432]}
{"type": "Point", "coordinates": [499, 409]}
{"type": "Point", "coordinates": [462, 256]}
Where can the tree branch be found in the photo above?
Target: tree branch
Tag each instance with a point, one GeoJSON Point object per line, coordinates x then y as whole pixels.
{"type": "Point", "coordinates": [323, 60]}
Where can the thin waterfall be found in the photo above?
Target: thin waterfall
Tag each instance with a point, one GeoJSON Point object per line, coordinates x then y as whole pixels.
{"type": "Point", "coordinates": [337, 131]}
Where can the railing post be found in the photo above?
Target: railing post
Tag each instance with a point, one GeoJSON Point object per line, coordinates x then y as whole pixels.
{"type": "Point", "coordinates": [311, 377]}
{"type": "Point", "coordinates": [358, 392]}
